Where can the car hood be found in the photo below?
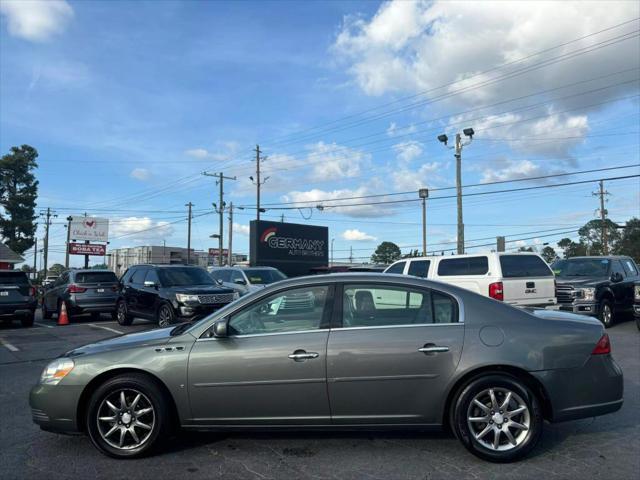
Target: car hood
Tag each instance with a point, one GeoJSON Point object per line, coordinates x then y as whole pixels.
{"type": "Point", "coordinates": [558, 315]}
{"type": "Point", "coordinates": [580, 281]}
{"type": "Point", "coordinates": [158, 336]}
{"type": "Point", "coordinates": [199, 289]}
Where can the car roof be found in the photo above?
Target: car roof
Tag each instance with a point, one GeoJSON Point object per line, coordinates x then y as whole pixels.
{"type": "Point", "coordinates": [92, 270]}
{"type": "Point", "coordinates": [465, 255]}
{"type": "Point", "coordinates": [597, 257]}
{"type": "Point", "coordinates": [162, 265]}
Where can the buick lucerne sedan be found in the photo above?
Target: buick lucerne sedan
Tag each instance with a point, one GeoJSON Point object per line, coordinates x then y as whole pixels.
{"type": "Point", "coordinates": [374, 351]}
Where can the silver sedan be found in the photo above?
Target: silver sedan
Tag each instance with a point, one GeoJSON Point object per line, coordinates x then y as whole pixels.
{"type": "Point", "coordinates": [372, 351]}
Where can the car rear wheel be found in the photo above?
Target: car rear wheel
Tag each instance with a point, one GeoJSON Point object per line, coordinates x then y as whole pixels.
{"type": "Point", "coordinates": [128, 416]}
{"type": "Point", "coordinates": [122, 314]}
{"type": "Point", "coordinates": [166, 316]}
{"type": "Point", "coordinates": [605, 312]}
{"type": "Point", "coordinates": [497, 418]}
{"type": "Point", "coordinates": [27, 320]}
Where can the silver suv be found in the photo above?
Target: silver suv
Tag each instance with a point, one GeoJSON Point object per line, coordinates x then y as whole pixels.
{"type": "Point", "coordinates": [246, 279]}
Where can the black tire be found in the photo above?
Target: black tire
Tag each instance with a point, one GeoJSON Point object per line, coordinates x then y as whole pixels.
{"type": "Point", "coordinates": [638, 322]}
{"type": "Point", "coordinates": [122, 314]}
{"type": "Point", "coordinates": [95, 316]}
{"type": "Point", "coordinates": [158, 419]}
{"type": "Point", "coordinates": [606, 312]}
{"type": "Point", "coordinates": [27, 320]}
{"type": "Point", "coordinates": [46, 314]}
{"type": "Point", "coordinates": [165, 316]}
{"type": "Point", "coordinates": [470, 432]}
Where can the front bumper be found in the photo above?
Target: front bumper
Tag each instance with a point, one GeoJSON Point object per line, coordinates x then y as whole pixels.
{"type": "Point", "coordinates": [54, 407]}
{"type": "Point", "coordinates": [586, 308]}
{"type": "Point", "coordinates": [594, 389]}
{"type": "Point", "coordinates": [22, 308]}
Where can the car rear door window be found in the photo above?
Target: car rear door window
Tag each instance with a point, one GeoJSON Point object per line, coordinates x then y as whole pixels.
{"type": "Point", "coordinates": [382, 306]}
{"type": "Point", "coordinates": [419, 268]}
{"type": "Point", "coordinates": [463, 266]}
{"type": "Point", "coordinates": [138, 276]}
{"type": "Point", "coordinates": [96, 277]}
{"type": "Point", "coordinates": [519, 266]}
{"type": "Point", "coordinates": [294, 310]}
{"type": "Point", "coordinates": [152, 276]}
{"type": "Point", "coordinates": [13, 278]}
{"type": "Point", "coordinates": [396, 268]}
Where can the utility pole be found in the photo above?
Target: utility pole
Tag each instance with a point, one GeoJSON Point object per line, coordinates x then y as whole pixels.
{"type": "Point", "coordinates": [350, 254]}
{"type": "Point", "coordinates": [423, 193]}
{"type": "Point", "coordinates": [35, 259]}
{"type": "Point", "coordinates": [66, 257]}
{"type": "Point", "coordinates": [230, 260]}
{"type": "Point", "coordinates": [189, 234]}
{"type": "Point", "coordinates": [603, 217]}
{"type": "Point", "coordinates": [257, 182]}
{"type": "Point", "coordinates": [220, 208]}
{"type": "Point", "coordinates": [48, 214]}
{"type": "Point", "coordinates": [86, 257]}
{"type": "Point", "coordinates": [458, 154]}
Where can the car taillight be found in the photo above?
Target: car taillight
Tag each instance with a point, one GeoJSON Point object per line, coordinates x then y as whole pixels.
{"type": "Point", "coordinates": [32, 292]}
{"type": "Point", "coordinates": [603, 346]}
{"type": "Point", "coordinates": [76, 289]}
{"type": "Point", "coordinates": [496, 291]}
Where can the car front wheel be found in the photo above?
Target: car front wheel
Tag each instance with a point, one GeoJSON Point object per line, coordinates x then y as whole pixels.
{"type": "Point", "coordinates": [606, 313]}
{"type": "Point", "coordinates": [122, 314]}
{"type": "Point", "coordinates": [166, 316]}
{"type": "Point", "coordinates": [497, 418]}
{"type": "Point", "coordinates": [128, 416]}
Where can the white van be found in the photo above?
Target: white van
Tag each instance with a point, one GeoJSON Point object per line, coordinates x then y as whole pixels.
{"type": "Point", "coordinates": [522, 279]}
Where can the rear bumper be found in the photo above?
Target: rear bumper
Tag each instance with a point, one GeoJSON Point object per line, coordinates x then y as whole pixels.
{"type": "Point", "coordinates": [24, 308]}
{"type": "Point", "coordinates": [594, 389]}
{"type": "Point", "coordinates": [93, 305]}
{"type": "Point", "coordinates": [54, 407]}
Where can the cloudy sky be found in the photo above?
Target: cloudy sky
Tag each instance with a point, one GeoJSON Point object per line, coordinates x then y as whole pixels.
{"type": "Point", "coordinates": [128, 102]}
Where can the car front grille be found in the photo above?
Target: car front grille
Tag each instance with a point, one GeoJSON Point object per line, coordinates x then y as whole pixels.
{"type": "Point", "coordinates": [565, 293]}
{"type": "Point", "coordinates": [215, 298]}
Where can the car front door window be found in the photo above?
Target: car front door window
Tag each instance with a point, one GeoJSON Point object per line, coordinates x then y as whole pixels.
{"type": "Point", "coordinates": [294, 310]}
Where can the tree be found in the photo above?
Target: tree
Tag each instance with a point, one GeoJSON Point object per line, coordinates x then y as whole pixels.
{"type": "Point", "coordinates": [549, 255]}
{"type": "Point", "coordinates": [525, 249]}
{"type": "Point", "coordinates": [629, 243]}
{"type": "Point", "coordinates": [18, 193]}
{"type": "Point", "coordinates": [571, 248]}
{"type": "Point", "coordinates": [100, 266]}
{"type": "Point", "coordinates": [56, 269]}
{"type": "Point", "coordinates": [386, 252]}
{"type": "Point", "coordinates": [591, 236]}
{"type": "Point", "coordinates": [412, 254]}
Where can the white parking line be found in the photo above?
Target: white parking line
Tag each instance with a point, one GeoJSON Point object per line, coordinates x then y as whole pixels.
{"type": "Point", "coordinates": [106, 328]}
{"type": "Point", "coordinates": [43, 325]}
{"type": "Point", "coordinates": [9, 347]}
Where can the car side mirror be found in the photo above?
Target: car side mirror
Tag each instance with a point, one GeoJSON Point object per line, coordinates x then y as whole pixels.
{"type": "Point", "coordinates": [149, 283]}
{"type": "Point", "coordinates": [240, 281]}
{"type": "Point", "coordinates": [220, 329]}
{"type": "Point", "coordinates": [616, 277]}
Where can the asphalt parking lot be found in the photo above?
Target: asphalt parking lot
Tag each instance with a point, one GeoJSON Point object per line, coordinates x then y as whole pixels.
{"type": "Point", "coordinates": [604, 447]}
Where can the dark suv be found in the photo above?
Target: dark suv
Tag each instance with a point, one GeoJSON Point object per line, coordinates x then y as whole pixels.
{"type": "Point", "coordinates": [17, 297]}
{"type": "Point", "coordinates": [602, 287]}
{"type": "Point", "coordinates": [82, 291]}
{"type": "Point", "coordinates": [169, 293]}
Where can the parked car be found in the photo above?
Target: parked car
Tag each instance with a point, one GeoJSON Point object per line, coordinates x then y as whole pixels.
{"type": "Point", "coordinates": [601, 287]}
{"type": "Point", "coordinates": [246, 279]}
{"type": "Point", "coordinates": [521, 279]}
{"type": "Point", "coordinates": [49, 280]}
{"type": "Point", "coordinates": [169, 293]}
{"type": "Point", "coordinates": [362, 358]}
{"type": "Point", "coordinates": [636, 303]}
{"type": "Point", "coordinates": [17, 297]}
{"type": "Point", "coordinates": [82, 291]}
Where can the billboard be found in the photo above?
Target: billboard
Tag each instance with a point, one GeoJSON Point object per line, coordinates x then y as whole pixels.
{"type": "Point", "coordinates": [290, 247]}
{"type": "Point", "coordinates": [92, 229]}
{"type": "Point", "coordinates": [87, 249]}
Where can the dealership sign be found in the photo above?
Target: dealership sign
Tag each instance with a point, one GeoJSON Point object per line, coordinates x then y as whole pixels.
{"type": "Point", "coordinates": [92, 229]}
{"type": "Point", "coordinates": [87, 249]}
{"type": "Point", "coordinates": [293, 248]}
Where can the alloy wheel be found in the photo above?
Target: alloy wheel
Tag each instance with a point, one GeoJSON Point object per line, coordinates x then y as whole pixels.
{"type": "Point", "coordinates": [125, 419]}
{"type": "Point", "coordinates": [165, 316]}
{"type": "Point", "coordinates": [122, 312]}
{"type": "Point", "coordinates": [499, 419]}
{"type": "Point", "coordinates": [607, 314]}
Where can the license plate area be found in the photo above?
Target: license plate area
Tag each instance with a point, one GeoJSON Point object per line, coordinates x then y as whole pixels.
{"type": "Point", "coordinates": [100, 290]}
{"type": "Point", "coordinates": [4, 293]}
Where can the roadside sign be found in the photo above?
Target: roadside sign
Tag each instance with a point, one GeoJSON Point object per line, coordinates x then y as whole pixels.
{"type": "Point", "coordinates": [92, 229]}
{"type": "Point", "coordinates": [87, 249]}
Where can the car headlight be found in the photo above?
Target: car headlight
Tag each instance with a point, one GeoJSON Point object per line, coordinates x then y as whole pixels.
{"type": "Point", "coordinates": [586, 293]}
{"type": "Point", "coordinates": [185, 298]}
{"type": "Point", "coordinates": [636, 293]}
{"type": "Point", "coordinates": [56, 371]}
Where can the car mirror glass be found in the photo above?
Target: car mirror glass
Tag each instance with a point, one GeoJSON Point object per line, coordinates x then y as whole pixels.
{"type": "Point", "coordinates": [149, 283]}
{"type": "Point", "coordinates": [220, 329]}
{"type": "Point", "coordinates": [240, 281]}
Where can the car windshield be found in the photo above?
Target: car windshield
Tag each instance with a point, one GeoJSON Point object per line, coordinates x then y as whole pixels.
{"type": "Point", "coordinates": [264, 276]}
{"type": "Point", "coordinates": [582, 268]}
{"type": "Point", "coordinates": [179, 277]}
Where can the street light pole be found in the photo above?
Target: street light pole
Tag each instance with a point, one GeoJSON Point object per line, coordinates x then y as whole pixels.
{"type": "Point", "coordinates": [423, 193]}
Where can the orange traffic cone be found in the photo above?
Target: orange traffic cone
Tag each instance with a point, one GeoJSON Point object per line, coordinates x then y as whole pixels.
{"type": "Point", "coordinates": [63, 318]}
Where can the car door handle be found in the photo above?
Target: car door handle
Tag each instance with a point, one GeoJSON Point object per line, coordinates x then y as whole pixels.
{"type": "Point", "coordinates": [301, 355]}
{"type": "Point", "coordinates": [433, 349]}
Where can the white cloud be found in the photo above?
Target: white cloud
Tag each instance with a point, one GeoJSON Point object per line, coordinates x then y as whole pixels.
{"type": "Point", "coordinates": [140, 229]}
{"type": "Point", "coordinates": [141, 174]}
{"type": "Point", "coordinates": [36, 20]}
{"type": "Point", "coordinates": [408, 151]}
{"type": "Point", "coordinates": [425, 176]}
{"type": "Point", "coordinates": [241, 229]}
{"type": "Point", "coordinates": [358, 208]}
{"type": "Point", "coordinates": [510, 169]}
{"type": "Point", "coordinates": [227, 150]}
{"type": "Point", "coordinates": [332, 161]}
{"type": "Point", "coordinates": [356, 235]}
{"type": "Point", "coordinates": [200, 153]}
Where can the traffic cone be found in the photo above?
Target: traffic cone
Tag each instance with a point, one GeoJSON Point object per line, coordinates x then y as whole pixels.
{"type": "Point", "coordinates": [63, 318]}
